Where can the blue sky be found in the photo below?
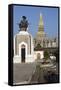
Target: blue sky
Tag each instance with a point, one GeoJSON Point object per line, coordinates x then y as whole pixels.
{"type": "Point", "coordinates": [50, 19]}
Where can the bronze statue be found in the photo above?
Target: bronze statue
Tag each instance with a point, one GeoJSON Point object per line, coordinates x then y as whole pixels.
{"type": "Point", "coordinates": [23, 23]}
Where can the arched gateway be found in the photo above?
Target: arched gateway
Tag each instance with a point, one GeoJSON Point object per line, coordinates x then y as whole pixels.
{"type": "Point", "coordinates": [23, 53]}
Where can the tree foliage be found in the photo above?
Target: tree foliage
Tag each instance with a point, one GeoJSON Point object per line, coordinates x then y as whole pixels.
{"type": "Point", "coordinates": [46, 54]}
{"type": "Point", "coordinates": [38, 46]}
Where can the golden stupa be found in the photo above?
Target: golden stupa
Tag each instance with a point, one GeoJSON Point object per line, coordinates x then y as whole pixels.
{"type": "Point", "coordinates": [41, 32]}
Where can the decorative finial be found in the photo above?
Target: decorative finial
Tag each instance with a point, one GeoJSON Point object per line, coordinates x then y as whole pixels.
{"type": "Point", "coordinates": [41, 20]}
{"type": "Point", "coordinates": [40, 14]}
{"type": "Point", "coordinates": [41, 25]}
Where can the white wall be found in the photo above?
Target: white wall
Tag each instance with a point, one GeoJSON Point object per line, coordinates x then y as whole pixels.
{"type": "Point", "coordinates": [41, 54]}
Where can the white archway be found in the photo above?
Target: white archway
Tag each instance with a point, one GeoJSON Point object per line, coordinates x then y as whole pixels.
{"type": "Point", "coordinates": [20, 46]}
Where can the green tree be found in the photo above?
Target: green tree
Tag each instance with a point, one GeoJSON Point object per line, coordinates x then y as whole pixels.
{"type": "Point", "coordinates": [38, 46]}
{"type": "Point", "coordinates": [46, 55]}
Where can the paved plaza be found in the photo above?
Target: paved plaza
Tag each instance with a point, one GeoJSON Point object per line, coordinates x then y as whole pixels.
{"type": "Point", "coordinates": [26, 73]}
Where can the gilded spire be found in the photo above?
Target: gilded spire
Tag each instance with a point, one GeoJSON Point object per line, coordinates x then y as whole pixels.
{"type": "Point", "coordinates": [41, 25]}
{"type": "Point", "coordinates": [41, 32]}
